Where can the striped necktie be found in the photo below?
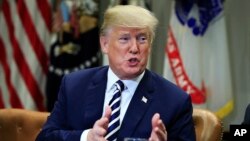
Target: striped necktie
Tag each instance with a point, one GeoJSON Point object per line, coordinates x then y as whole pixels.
{"type": "Point", "coordinates": [114, 121]}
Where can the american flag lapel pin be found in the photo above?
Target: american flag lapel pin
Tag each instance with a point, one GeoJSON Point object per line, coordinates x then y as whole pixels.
{"type": "Point", "coordinates": [144, 99]}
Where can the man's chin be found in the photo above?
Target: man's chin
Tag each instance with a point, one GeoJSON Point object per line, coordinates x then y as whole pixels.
{"type": "Point", "coordinates": [132, 73]}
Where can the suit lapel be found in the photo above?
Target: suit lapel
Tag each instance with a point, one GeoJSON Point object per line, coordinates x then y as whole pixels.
{"type": "Point", "coordinates": [138, 105]}
{"type": "Point", "coordinates": [93, 105]}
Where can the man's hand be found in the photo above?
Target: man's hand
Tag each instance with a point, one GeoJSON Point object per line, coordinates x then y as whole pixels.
{"type": "Point", "coordinates": [159, 132]}
{"type": "Point", "coordinates": [99, 130]}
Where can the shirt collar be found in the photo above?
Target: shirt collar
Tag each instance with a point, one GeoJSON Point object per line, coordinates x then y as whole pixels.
{"type": "Point", "coordinates": [130, 85]}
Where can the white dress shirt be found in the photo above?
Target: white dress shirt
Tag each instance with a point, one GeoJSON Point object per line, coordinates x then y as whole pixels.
{"type": "Point", "coordinates": [126, 96]}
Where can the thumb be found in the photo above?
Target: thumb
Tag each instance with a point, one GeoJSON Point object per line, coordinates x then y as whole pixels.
{"type": "Point", "coordinates": [107, 112]}
{"type": "Point", "coordinates": [107, 115]}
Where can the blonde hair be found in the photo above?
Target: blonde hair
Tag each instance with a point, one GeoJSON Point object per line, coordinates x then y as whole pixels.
{"type": "Point", "coordinates": [129, 16]}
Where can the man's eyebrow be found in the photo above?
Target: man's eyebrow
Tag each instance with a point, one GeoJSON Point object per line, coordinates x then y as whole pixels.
{"type": "Point", "coordinates": [123, 33]}
{"type": "Point", "coordinates": [143, 34]}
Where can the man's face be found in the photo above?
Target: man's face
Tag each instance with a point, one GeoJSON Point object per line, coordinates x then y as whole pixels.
{"type": "Point", "coordinates": [127, 49]}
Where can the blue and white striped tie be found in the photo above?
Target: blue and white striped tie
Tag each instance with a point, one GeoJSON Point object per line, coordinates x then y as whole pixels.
{"type": "Point", "coordinates": [114, 121]}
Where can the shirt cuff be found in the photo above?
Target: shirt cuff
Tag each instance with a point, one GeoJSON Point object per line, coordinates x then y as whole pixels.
{"type": "Point", "coordinates": [84, 135]}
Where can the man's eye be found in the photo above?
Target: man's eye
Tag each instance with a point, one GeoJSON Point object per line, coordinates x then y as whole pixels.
{"type": "Point", "coordinates": [123, 39]}
{"type": "Point", "coordinates": [142, 39]}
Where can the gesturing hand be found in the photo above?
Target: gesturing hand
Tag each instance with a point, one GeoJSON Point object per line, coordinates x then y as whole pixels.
{"type": "Point", "coordinates": [158, 132]}
{"type": "Point", "coordinates": [99, 130]}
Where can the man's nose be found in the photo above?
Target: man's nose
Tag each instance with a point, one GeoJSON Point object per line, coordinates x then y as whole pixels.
{"type": "Point", "coordinates": [134, 47]}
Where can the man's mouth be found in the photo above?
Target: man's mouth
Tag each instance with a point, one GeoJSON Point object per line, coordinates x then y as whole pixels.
{"type": "Point", "coordinates": [133, 60]}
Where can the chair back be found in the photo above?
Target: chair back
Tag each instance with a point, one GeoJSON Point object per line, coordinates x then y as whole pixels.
{"type": "Point", "coordinates": [208, 126]}
{"type": "Point", "coordinates": [24, 125]}
{"type": "Point", "coordinates": [20, 124]}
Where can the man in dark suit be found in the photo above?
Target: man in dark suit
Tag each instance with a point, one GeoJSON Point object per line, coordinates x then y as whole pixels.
{"type": "Point", "coordinates": [246, 120]}
{"type": "Point", "coordinates": [149, 106]}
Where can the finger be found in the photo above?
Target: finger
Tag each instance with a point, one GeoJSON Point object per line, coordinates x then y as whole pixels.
{"type": "Point", "coordinates": [161, 134]}
{"type": "Point", "coordinates": [161, 125]}
{"type": "Point", "coordinates": [96, 134]}
{"type": "Point", "coordinates": [157, 122]}
{"type": "Point", "coordinates": [159, 130]}
{"type": "Point", "coordinates": [155, 119]}
{"type": "Point", "coordinates": [107, 115]}
{"type": "Point", "coordinates": [102, 122]}
{"type": "Point", "coordinates": [108, 111]}
{"type": "Point", "coordinates": [100, 127]}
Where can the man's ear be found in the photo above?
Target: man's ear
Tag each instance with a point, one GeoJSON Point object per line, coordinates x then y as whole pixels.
{"type": "Point", "coordinates": [104, 44]}
{"type": "Point", "coordinates": [150, 48]}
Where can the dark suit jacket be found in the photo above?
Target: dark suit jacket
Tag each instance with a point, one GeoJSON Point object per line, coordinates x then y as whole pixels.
{"type": "Point", "coordinates": [247, 116]}
{"type": "Point", "coordinates": [80, 104]}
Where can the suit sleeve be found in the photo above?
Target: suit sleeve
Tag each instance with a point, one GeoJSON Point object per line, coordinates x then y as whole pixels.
{"type": "Point", "coordinates": [55, 128]}
{"type": "Point", "coordinates": [183, 126]}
